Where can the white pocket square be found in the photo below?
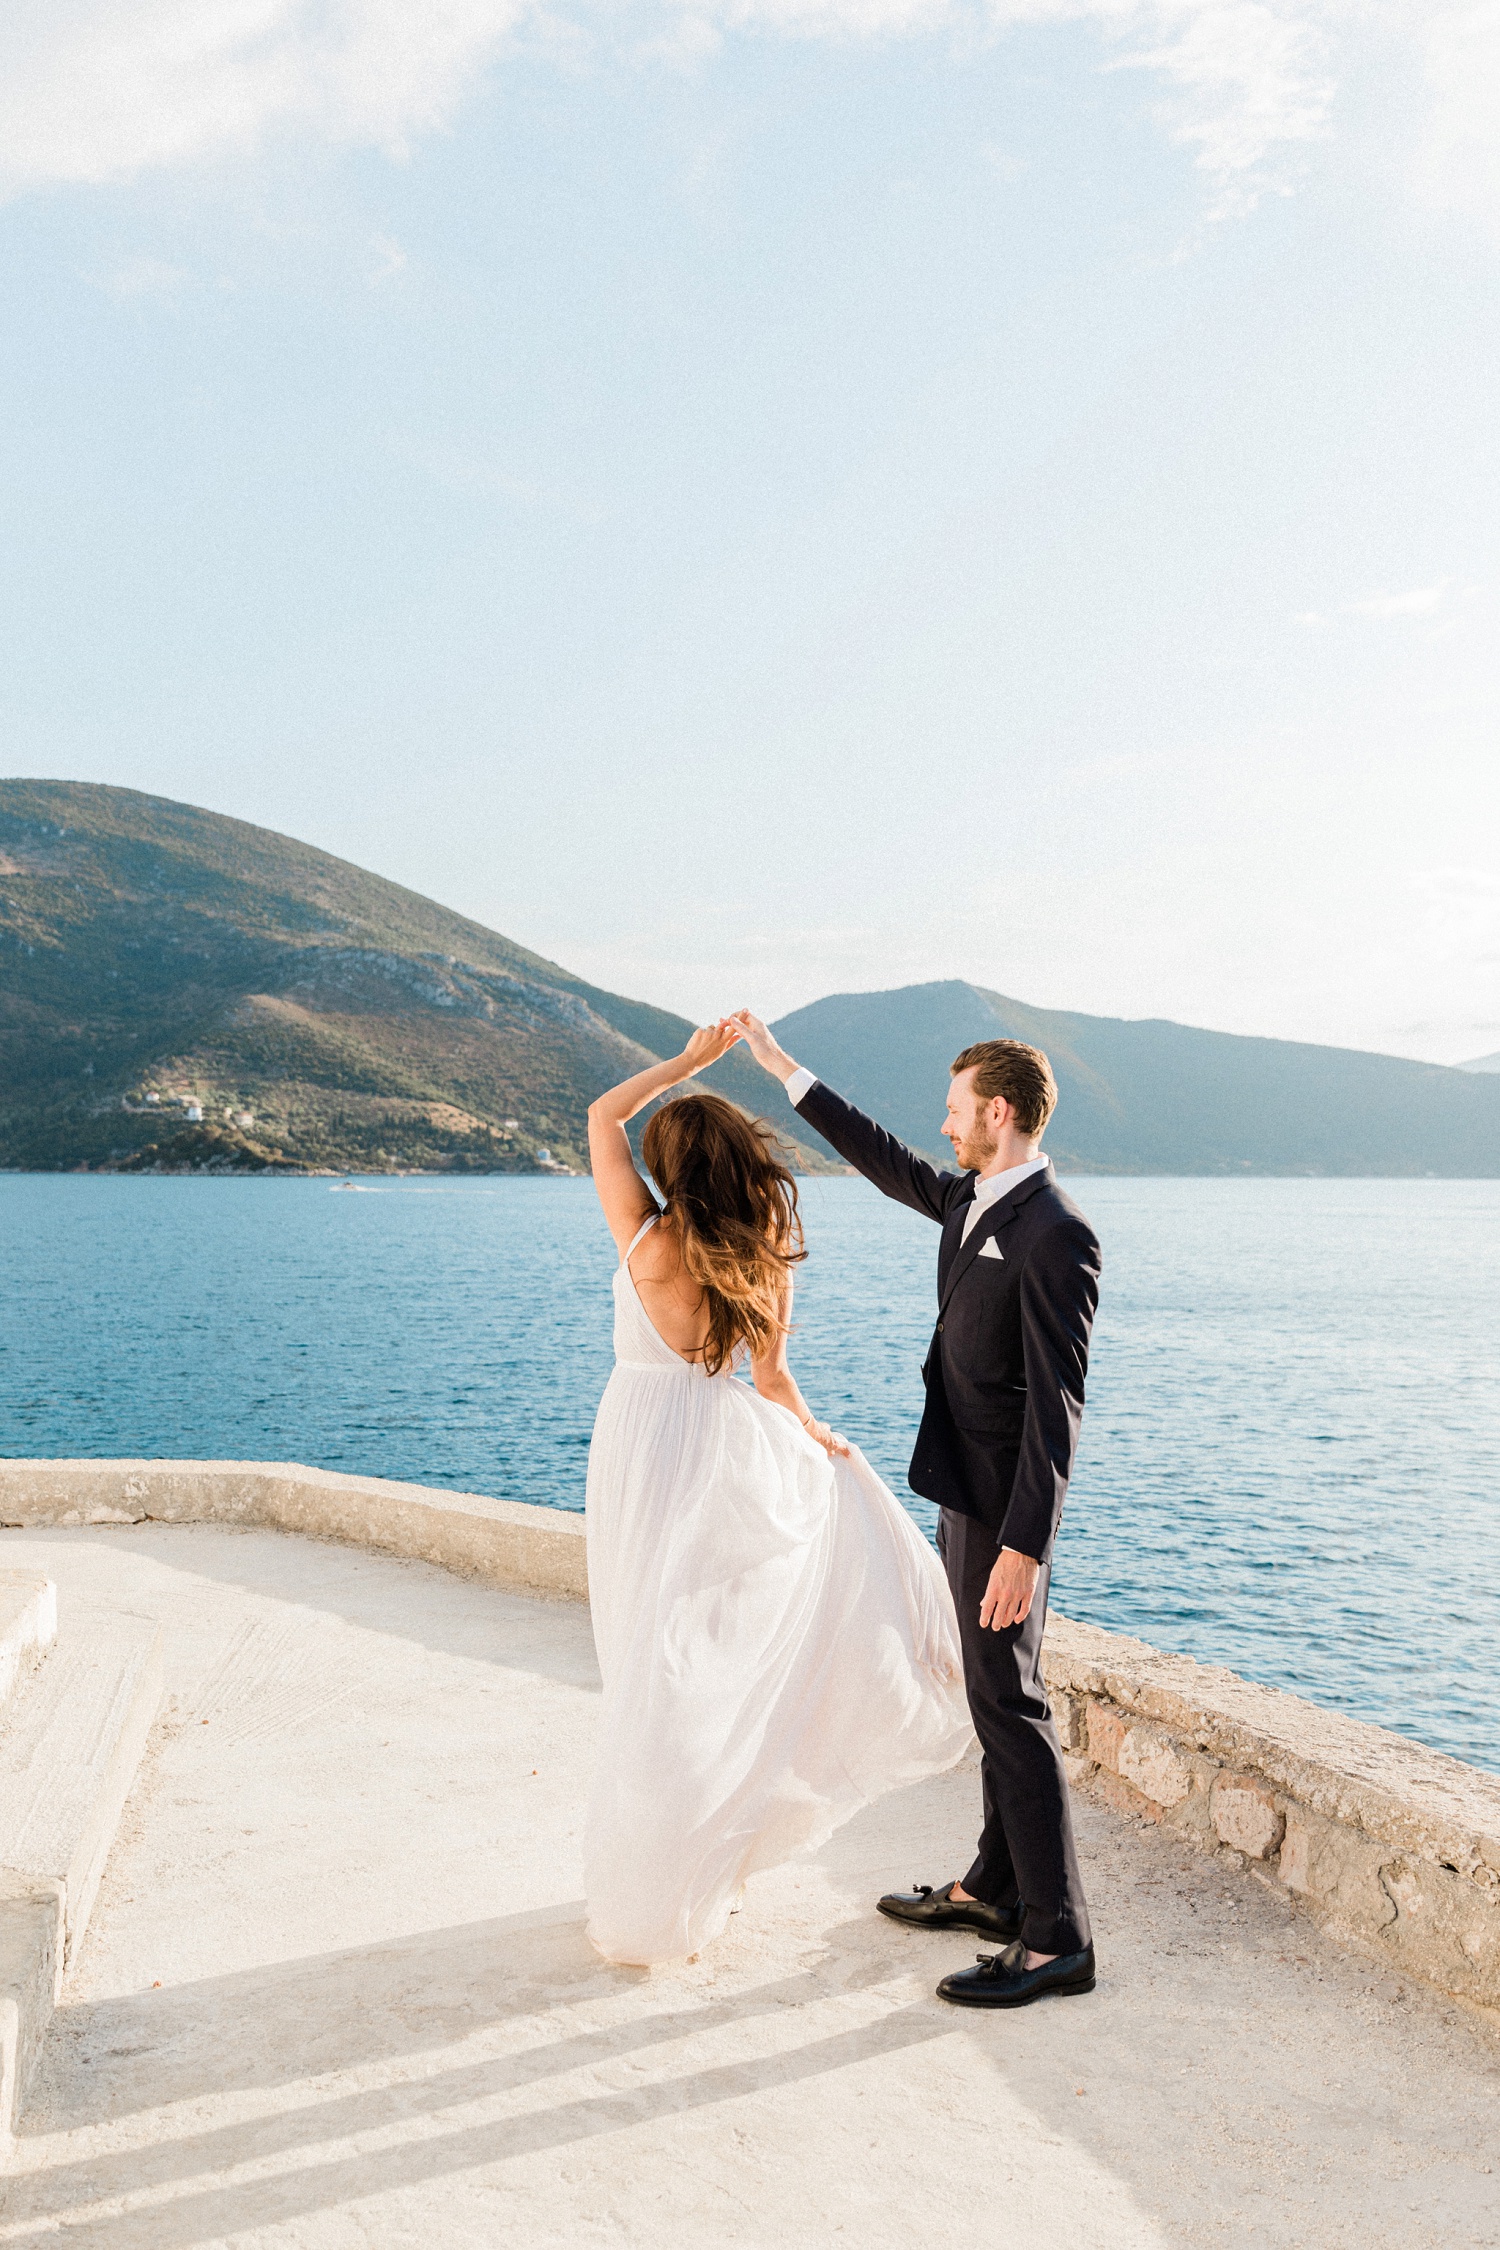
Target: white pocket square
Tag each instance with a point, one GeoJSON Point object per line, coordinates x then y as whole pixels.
{"type": "Point", "coordinates": [989, 1249]}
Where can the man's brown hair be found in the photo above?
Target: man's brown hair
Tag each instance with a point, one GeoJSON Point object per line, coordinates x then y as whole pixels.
{"type": "Point", "coordinates": [1018, 1074]}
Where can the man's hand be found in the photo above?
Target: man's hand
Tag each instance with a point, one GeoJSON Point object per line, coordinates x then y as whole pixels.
{"type": "Point", "coordinates": [760, 1043]}
{"type": "Point", "coordinates": [1008, 1596]}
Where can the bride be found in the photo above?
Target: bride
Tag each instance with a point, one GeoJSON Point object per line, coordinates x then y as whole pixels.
{"type": "Point", "coordinates": [777, 1641]}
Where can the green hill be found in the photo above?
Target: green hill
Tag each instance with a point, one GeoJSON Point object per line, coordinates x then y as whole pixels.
{"type": "Point", "coordinates": [1155, 1096]}
{"type": "Point", "coordinates": [155, 956]}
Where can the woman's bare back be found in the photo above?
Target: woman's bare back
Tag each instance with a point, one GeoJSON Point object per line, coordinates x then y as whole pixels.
{"type": "Point", "coordinates": [674, 1304]}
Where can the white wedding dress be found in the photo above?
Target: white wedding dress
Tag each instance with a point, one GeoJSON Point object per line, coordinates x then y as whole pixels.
{"type": "Point", "coordinates": [777, 1642]}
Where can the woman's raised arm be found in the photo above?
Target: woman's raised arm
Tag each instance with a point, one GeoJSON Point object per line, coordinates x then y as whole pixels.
{"type": "Point", "coordinates": [626, 1198]}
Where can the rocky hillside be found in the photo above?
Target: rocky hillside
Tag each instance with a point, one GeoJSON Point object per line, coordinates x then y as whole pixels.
{"type": "Point", "coordinates": [179, 990]}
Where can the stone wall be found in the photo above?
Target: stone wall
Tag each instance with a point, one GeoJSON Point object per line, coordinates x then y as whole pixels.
{"type": "Point", "coordinates": [535, 1550]}
{"type": "Point", "coordinates": [1395, 1849]}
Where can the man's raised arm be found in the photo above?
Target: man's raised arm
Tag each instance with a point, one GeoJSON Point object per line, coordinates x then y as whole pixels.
{"type": "Point", "coordinates": [885, 1162]}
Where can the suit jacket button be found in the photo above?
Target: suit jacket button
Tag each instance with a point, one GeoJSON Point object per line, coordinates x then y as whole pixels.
{"type": "Point", "coordinates": [940, 1328]}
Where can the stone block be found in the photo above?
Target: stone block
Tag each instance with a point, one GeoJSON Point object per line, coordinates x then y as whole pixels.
{"type": "Point", "coordinates": [1246, 1815]}
{"type": "Point", "coordinates": [1141, 1754]}
{"type": "Point", "coordinates": [1444, 1928]}
{"type": "Point", "coordinates": [1123, 1796]}
{"type": "Point", "coordinates": [1296, 1851]}
{"type": "Point", "coordinates": [1337, 1871]}
{"type": "Point", "coordinates": [1070, 1714]}
{"type": "Point", "coordinates": [1151, 1762]}
{"type": "Point", "coordinates": [1106, 1735]}
{"type": "Point", "coordinates": [1193, 1815]}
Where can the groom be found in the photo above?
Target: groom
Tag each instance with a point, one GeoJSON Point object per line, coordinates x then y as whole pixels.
{"type": "Point", "coordinates": [1018, 1281]}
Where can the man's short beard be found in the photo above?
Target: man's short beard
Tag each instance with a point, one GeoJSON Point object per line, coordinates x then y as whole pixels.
{"type": "Point", "coordinates": [977, 1147]}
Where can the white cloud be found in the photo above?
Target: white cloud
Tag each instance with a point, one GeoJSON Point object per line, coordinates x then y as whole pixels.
{"type": "Point", "coordinates": [98, 90]}
{"type": "Point", "coordinates": [1458, 160]}
{"type": "Point", "coordinates": [1421, 601]}
{"type": "Point", "coordinates": [93, 91]}
{"type": "Point", "coordinates": [1456, 602]}
{"type": "Point", "coordinates": [1245, 83]}
{"type": "Point", "coordinates": [1241, 80]}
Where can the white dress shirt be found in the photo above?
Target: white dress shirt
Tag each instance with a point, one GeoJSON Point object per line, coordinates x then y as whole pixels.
{"type": "Point", "coordinates": [986, 1192]}
{"type": "Point", "coordinates": [990, 1191]}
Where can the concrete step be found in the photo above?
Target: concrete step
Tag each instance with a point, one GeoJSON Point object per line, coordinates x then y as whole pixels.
{"type": "Point", "coordinates": [71, 1738]}
{"type": "Point", "coordinates": [28, 1627]}
{"type": "Point", "coordinates": [70, 1742]}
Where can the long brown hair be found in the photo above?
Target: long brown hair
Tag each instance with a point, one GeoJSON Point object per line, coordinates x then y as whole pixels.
{"type": "Point", "coordinates": [734, 1206]}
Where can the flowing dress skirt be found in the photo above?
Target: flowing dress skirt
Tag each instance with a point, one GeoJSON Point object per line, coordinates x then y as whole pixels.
{"type": "Point", "coordinates": [777, 1642]}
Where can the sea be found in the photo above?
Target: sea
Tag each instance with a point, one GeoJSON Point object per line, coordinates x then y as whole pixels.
{"type": "Point", "coordinates": [1291, 1452]}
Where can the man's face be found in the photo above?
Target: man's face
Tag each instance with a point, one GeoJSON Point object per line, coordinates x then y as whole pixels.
{"type": "Point", "coordinates": [970, 1124]}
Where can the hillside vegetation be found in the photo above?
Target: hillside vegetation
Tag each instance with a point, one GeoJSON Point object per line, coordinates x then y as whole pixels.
{"type": "Point", "coordinates": [1155, 1096]}
{"type": "Point", "coordinates": [156, 959]}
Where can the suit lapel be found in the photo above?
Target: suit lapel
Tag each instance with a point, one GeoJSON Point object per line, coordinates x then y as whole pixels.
{"type": "Point", "coordinates": [952, 1229]}
{"type": "Point", "coordinates": [985, 1229]}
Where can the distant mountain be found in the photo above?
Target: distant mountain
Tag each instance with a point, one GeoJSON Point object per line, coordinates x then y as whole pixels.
{"type": "Point", "coordinates": [1155, 1096]}
{"type": "Point", "coordinates": [1482, 1062]}
{"type": "Point", "coordinates": [156, 960]}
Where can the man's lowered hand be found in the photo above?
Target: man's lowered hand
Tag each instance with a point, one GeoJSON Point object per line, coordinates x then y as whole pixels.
{"type": "Point", "coordinates": [1008, 1596]}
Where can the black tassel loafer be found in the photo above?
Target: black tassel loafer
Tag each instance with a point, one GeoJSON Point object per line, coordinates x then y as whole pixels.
{"type": "Point", "coordinates": [927, 1909]}
{"type": "Point", "coordinates": [1002, 1980]}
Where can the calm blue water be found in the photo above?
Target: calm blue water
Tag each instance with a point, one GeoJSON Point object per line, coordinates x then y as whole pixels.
{"type": "Point", "coordinates": [1291, 1458]}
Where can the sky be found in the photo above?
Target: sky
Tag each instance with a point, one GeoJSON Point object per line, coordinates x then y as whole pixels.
{"type": "Point", "coordinates": [761, 498]}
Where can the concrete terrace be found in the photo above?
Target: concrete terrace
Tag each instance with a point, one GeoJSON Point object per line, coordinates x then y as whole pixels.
{"type": "Point", "coordinates": [335, 1991]}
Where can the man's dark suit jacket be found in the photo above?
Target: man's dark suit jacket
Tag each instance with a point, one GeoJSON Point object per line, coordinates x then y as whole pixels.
{"type": "Point", "coordinates": [1006, 1365]}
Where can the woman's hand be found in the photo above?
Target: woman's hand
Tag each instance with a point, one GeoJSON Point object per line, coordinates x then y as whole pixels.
{"type": "Point", "coordinates": [832, 1444]}
{"type": "Point", "coordinates": [624, 1194]}
{"type": "Point", "coordinates": [760, 1043]}
{"type": "Point", "coordinates": [708, 1043]}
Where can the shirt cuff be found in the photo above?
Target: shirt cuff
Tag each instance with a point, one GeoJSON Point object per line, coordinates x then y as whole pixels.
{"type": "Point", "coordinates": [799, 1084]}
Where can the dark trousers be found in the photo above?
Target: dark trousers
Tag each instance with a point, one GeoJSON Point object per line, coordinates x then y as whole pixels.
{"type": "Point", "coordinates": [1026, 1848]}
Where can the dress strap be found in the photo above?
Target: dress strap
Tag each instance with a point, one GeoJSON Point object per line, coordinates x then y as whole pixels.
{"type": "Point", "coordinates": [644, 1228]}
